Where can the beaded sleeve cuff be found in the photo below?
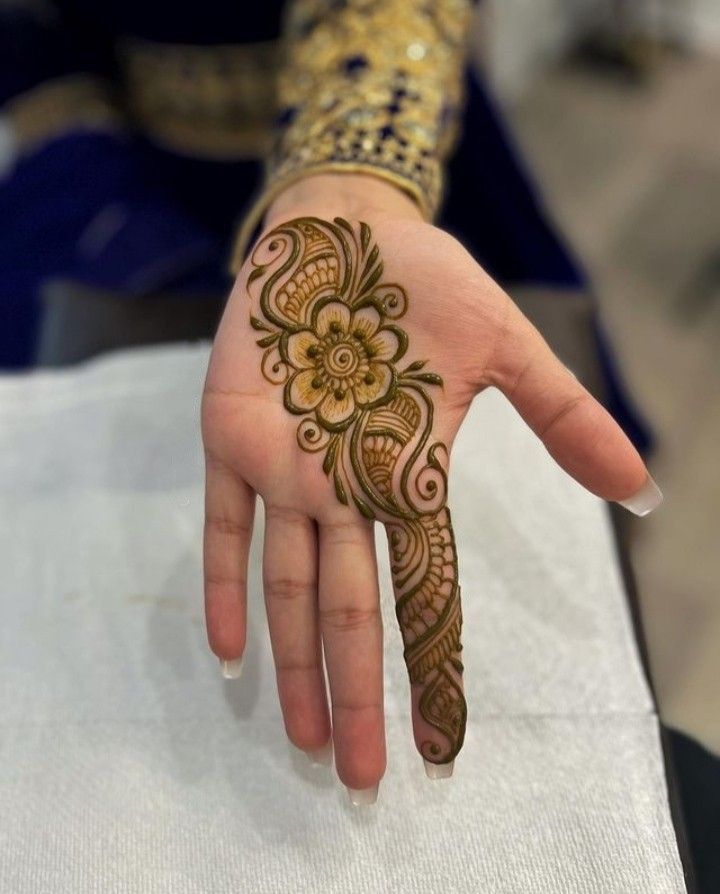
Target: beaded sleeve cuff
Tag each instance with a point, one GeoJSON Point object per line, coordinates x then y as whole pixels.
{"type": "Point", "coordinates": [368, 86]}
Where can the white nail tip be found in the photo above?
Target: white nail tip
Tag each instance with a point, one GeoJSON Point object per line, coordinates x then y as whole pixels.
{"type": "Point", "coordinates": [363, 797]}
{"type": "Point", "coordinates": [643, 502]}
{"type": "Point", "coordinates": [439, 771]}
{"type": "Point", "coordinates": [322, 757]}
{"type": "Point", "coordinates": [231, 670]}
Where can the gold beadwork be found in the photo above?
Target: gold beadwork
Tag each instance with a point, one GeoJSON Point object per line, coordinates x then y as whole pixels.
{"type": "Point", "coordinates": [367, 86]}
{"type": "Point", "coordinates": [216, 101]}
{"type": "Point", "coordinates": [59, 106]}
{"type": "Point", "coordinates": [372, 82]}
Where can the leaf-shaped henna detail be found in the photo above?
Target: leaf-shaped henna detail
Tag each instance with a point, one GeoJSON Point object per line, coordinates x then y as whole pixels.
{"type": "Point", "coordinates": [331, 323]}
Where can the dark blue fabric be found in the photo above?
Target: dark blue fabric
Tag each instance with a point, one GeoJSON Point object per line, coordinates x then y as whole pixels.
{"type": "Point", "coordinates": [34, 48]}
{"type": "Point", "coordinates": [494, 208]}
{"type": "Point", "coordinates": [209, 22]}
{"type": "Point", "coordinates": [88, 207]}
{"type": "Point", "coordinates": [19, 314]}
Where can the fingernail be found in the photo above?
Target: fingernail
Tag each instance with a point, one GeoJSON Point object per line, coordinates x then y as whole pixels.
{"type": "Point", "coordinates": [231, 670]}
{"type": "Point", "coordinates": [363, 797]}
{"type": "Point", "coordinates": [438, 771]}
{"type": "Point", "coordinates": [321, 757]}
{"type": "Point", "coordinates": [643, 502]}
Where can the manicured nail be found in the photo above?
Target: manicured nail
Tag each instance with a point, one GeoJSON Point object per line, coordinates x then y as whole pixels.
{"type": "Point", "coordinates": [649, 497]}
{"type": "Point", "coordinates": [321, 757]}
{"type": "Point", "coordinates": [231, 670]}
{"type": "Point", "coordinates": [363, 797]}
{"type": "Point", "coordinates": [439, 771]}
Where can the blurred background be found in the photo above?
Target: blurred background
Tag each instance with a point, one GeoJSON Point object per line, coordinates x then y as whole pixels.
{"type": "Point", "coordinates": [615, 105]}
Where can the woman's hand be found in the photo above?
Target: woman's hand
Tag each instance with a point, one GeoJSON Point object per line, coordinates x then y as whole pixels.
{"type": "Point", "coordinates": [352, 345]}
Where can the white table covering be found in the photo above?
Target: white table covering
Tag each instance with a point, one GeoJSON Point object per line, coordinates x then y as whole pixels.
{"type": "Point", "coordinates": [128, 765]}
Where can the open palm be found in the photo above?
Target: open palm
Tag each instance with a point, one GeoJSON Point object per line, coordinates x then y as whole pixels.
{"type": "Point", "coordinates": [345, 363]}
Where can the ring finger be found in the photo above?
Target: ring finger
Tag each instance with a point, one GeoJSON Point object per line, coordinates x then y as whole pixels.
{"type": "Point", "coordinates": [290, 584]}
{"type": "Point", "coordinates": [352, 636]}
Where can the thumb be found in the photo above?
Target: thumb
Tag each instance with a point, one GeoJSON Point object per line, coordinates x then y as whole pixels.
{"type": "Point", "coordinates": [577, 431]}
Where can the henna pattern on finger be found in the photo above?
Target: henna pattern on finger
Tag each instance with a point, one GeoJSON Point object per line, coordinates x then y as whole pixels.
{"type": "Point", "coordinates": [329, 334]}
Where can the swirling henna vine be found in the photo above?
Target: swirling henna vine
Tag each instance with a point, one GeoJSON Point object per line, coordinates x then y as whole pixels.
{"type": "Point", "coordinates": [330, 337]}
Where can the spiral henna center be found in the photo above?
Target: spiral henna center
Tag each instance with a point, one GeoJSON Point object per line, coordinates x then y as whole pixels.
{"type": "Point", "coordinates": [329, 334]}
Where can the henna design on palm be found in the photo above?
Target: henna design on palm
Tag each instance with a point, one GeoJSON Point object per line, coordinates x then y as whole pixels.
{"type": "Point", "coordinates": [329, 334]}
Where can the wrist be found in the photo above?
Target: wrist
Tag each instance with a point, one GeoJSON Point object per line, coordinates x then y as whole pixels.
{"type": "Point", "coordinates": [355, 196]}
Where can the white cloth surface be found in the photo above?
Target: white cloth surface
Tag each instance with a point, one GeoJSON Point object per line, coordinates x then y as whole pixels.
{"type": "Point", "coordinates": [128, 765]}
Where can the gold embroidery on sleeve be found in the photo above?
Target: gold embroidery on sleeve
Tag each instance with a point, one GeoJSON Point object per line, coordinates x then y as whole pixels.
{"type": "Point", "coordinates": [367, 86]}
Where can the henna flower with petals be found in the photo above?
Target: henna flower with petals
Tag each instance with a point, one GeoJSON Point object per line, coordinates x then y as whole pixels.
{"type": "Point", "coordinates": [342, 362]}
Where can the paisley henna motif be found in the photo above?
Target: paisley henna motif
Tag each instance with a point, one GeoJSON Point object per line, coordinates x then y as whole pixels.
{"type": "Point", "coordinates": [329, 334]}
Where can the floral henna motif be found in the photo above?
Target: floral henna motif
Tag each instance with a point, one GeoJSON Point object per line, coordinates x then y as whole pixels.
{"type": "Point", "coordinates": [343, 361]}
{"type": "Point", "coordinates": [329, 334]}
